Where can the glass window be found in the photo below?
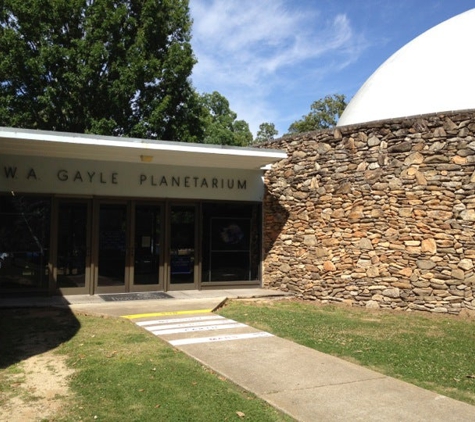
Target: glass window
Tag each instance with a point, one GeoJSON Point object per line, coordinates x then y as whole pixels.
{"type": "Point", "coordinates": [148, 228]}
{"type": "Point", "coordinates": [231, 242]}
{"type": "Point", "coordinates": [72, 244]}
{"type": "Point", "coordinates": [24, 242]}
{"type": "Point", "coordinates": [182, 244]}
{"type": "Point", "coordinates": [112, 244]}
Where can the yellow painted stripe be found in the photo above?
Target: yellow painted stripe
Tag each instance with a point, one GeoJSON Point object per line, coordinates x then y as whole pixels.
{"type": "Point", "coordinates": [157, 314]}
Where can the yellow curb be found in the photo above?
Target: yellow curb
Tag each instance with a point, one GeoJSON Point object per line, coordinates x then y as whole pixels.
{"type": "Point", "coordinates": [156, 314]}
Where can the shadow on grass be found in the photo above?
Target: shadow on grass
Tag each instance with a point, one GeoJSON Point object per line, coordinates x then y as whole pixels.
{"type": "Point", "coordinates": [26, 332]}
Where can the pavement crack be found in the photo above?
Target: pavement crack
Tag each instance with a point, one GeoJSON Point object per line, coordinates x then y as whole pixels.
{"type": "Point", "coordinates": [328, 385]}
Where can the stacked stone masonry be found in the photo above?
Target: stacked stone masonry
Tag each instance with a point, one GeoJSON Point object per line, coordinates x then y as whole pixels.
{"type": "Point", "coordinates": [379, 215]}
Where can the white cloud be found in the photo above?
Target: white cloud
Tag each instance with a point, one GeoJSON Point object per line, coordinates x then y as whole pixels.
{"type": "Point", "coordinates": [247, 50]}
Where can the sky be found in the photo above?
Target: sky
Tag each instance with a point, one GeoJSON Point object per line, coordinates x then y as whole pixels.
{"type": "Point", "coordinates": [273, 58]}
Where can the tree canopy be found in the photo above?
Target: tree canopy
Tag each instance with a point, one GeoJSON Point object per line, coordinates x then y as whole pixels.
{"type": "Point", "coordinates": [324, 114]}
{"type": "Point", "coordinates": [267, 131]}
{"type": "Point", "coordinates": [109, 67]}
{"type": "Point", "coordinates": [220, 124]}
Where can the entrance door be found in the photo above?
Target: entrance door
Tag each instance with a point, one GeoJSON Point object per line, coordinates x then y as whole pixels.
{"type": "Point", "coordinates": [182, 268]}
{"type": "Point", "coordinates": [112, 252]}
{"type": "Point", "coordinates": [148, 248]}
{"type": "Point", "coordinates": [73, 256]}
{"type": "Point", "coordinates": [107, 246]}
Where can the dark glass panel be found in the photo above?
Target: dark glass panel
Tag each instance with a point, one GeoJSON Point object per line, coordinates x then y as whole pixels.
{"type": "Point", "coordinates": [231, 242]}
{"type": "Point", "coordinates": [147, 244]}
{"type": "Point", "coordinates": [182, 244]}
{"type": "Point", "coordinates": [112, 244]}
{"type": "Point", "coordinates": [24, 242]}
{"type": "Point", "coordinates": [72, 244]}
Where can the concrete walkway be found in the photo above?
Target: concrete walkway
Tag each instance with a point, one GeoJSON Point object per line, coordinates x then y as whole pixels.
{"type": "Point", "coordinates": [306, 384]}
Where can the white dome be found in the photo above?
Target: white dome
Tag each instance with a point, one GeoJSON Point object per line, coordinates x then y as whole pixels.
{"type": "Point", "coordinates": [432, 73]}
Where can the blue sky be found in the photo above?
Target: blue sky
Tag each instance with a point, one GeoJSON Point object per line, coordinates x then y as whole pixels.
{"type": "Point", "coordinates": [273, 58]}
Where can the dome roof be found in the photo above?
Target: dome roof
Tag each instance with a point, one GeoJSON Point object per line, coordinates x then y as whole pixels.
{"type": "Point", "coordinates": [432, 73]}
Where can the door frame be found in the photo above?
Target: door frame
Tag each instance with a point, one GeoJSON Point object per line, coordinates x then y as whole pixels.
{"type": "Point", "coordinates": [160, 286]}
{"type": "Point", "coordinates": [195, 285]}
{"type": "Point", "coordinates": [164, 277]}
{"type": "Point", "coordinates": [96, 289]}
{"type": "Point", "coordinates": [87, 289]}
{"type": "Point", "coordinates": [93, 245]}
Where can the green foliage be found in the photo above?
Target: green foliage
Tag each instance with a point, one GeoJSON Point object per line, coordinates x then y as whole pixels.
{"type": "Point", "coordinates": [266, 132]}
{"type": "Point", "coordinates": [432, 352]}
{"type": "Point", "coordinates": [324, 114]}
{"type": "Point", "coordinates": [106, 67]}
{"type": "Point", "coordinates": [220, 124]}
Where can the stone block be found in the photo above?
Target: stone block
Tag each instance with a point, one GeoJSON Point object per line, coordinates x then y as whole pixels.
{"type": "Point", "coordinates": [429, 246]}
{"type": "Point", "coordinates": [285, 268]}
{"type": "Point", "coordinates": [440, 215]}
{"type": "Point", "coordinates": [372, 304]}
{"type": "Point", "coordinates": [329, 266]}
{"type": "Point", "coordinates": [440, 310]}
{"type": "Point", "coordinates": [425, 264]}
{"type": "Point", "coordinates": [423, 292]}
{"type": "Point", "coordinates": [458, 274]}
{"type": "Point", "coordinates": [394, 292]}
{"type": "Point", "coordinates": [310, 240]}
{"type": "Point", "coordinates": [372, 272]}
{"type": "Point", "coordinates": [365, 244]}
{"type": "Point", "coordinates": [363, 263]}
{"type": "Point", "coordinates": [414, 158]}
{"type": "Point", "coordinates": [466, 264]}
{"type": "Point", "coordinates": [406, 272]}
{"type": "Point", "coordinates": [468, 215]}
{"type": "Point", "coordinates": [402, 285]}
{"type": "Point", "coordinates": [401, 147]}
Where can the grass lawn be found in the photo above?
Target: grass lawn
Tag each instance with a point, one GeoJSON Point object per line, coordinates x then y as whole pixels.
{"type": "Point", "coordinates": [432, 351]}
{"type": "Point", "coordinates": [122, 372]}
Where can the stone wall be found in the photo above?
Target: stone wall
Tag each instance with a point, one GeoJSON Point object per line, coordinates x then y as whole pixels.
{"type": "Point", "coordinates": [378, 215]}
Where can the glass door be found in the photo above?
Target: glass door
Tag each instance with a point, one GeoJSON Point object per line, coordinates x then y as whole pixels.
{"type": "Point", "coordinates": [182, 264]}
{"type": "Point", "coordinates": [111, 251]}
{"type": "Point", "coordinates": [72, 270]}
{"type": "Point", "coordinates": [24, 243]}
{"type": "Point", "coordinates": [148, 248]}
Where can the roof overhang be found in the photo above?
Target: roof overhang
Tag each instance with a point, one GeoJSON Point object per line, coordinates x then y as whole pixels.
{"type": "Point", "coordinates": [132, 150]}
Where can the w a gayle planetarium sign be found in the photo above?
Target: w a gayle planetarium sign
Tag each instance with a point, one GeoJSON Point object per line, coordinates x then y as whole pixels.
{"type": "Point", "coordinates": [68, 176]}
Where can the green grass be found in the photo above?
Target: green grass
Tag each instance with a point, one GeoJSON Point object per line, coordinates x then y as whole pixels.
{"type": "Point", "coordinates": [124, 373]}
{"type": "Point", "coordinates": [434, 352]}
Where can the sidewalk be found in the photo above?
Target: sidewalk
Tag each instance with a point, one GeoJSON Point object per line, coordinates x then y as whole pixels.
{"type": "Point", "coordinates": [306, 384]}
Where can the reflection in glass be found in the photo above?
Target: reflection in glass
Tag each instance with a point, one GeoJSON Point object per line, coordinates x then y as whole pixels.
{"type": "Point", "coordinates": [182, 244]}
{"type": "Point", "coordinates": [147, 244]}
{"type": "Point", "coordinates": [112, 244]}
{"type": "Point", "coordinates": [231, 240]}
{"type": "Point", "coordinates": [72, 244]}
{"type": "Point", "coordinates": [24, 242]}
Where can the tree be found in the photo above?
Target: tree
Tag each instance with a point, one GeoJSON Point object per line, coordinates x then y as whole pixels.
{"type": "Point", "coordinates": [266, 132]}
{"type": "Point", "coordinates": [109, 67]}
{"type": "Point", "coordinates": [324, 114]}
{"type": "Point", "coordinates": [220, 124]}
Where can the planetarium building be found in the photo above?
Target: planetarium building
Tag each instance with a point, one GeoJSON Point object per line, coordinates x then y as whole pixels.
{"type": "Point", "coordinates": [378, 212]}
{"type": "Point", "coordinates": [86, 214]}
